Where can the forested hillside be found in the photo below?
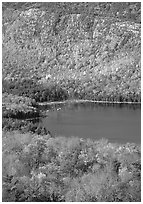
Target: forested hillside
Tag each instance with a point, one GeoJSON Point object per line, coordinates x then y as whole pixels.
{"type": "Point", "coordinates": [63, 51]}
{"type": "Point", "coordinates": [72, 50]}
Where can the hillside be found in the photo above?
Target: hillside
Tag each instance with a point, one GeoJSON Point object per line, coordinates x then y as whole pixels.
{"type": "Point", "coordinates": [63, 51]}
{"type": "Point", "coordinates": [87, 50]}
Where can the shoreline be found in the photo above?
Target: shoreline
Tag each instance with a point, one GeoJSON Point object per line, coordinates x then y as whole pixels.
{"type": "Point", "coordinates": [84, 101]}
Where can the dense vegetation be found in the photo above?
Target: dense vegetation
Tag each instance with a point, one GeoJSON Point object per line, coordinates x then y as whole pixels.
{"type": "Point", "coordinates": [38, 92]}
{"type": "Point", "coordinates": [18, 107]}
{"type": "Point", "coordinates": [54, 91]}
{"type": "Point", "coordinates": [41, 168]}
{"type": "Point", "coordinates": [82, 51]}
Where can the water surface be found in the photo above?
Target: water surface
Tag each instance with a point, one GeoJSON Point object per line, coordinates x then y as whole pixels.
{"type": "Point", "coordinates": [118, 123]}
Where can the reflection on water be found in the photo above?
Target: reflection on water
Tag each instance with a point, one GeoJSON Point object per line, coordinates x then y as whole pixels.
{"type": "Point", "coordinates": [118, 123]}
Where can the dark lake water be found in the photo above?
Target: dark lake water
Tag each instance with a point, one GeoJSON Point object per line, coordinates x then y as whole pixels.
{"type": "Point", "coordinates": [118, 123]}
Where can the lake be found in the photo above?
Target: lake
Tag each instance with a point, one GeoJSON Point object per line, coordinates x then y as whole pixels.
{"type": "Point", "coordinates": [117, 123]}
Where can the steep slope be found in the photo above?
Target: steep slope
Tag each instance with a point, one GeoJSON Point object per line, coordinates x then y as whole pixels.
{"type": "Point", "coordinates": [94, 53]}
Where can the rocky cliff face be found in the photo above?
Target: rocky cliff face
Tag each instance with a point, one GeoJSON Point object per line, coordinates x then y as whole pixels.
{"type": "Point", "coordinates": [98, 49]}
